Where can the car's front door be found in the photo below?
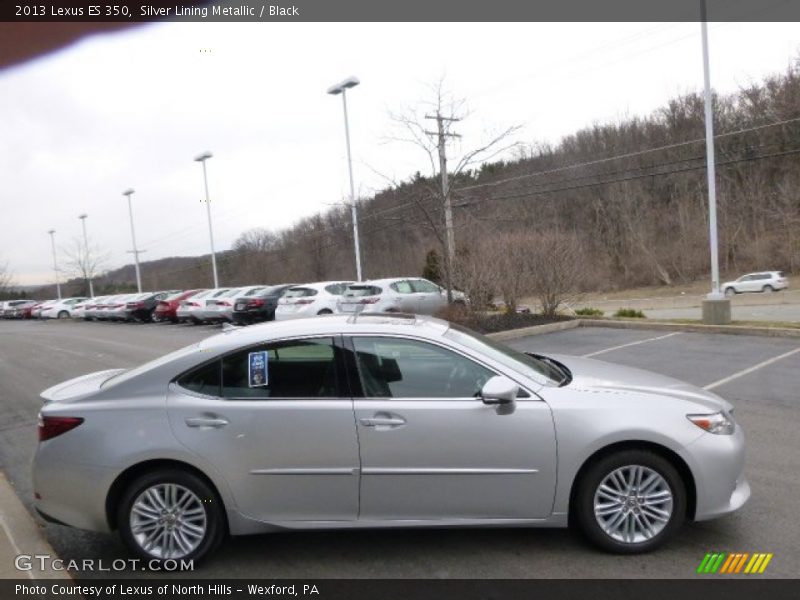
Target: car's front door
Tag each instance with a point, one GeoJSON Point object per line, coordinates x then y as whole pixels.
{"type": "Point", "coordinates": [275, 420]}
{"type": "Point", "coordinates": [432, 450]}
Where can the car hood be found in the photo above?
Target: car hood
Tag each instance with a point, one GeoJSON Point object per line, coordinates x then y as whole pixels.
{"type": "Point", "coordinates": [78, 387]}
{"type": "Point", "coordinates": [598, 375]}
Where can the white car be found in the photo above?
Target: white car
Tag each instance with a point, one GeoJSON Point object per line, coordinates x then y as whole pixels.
{"type": "Point", "coordinates": [310, 299]}
{"type": "Point", "coordinates": [60, 309]}
{"type": "Point", "coordinates": [220, 309]}
{"type": "Point", "coordinates": [398, 294]}
{"type": "Point", "coordinates": [193, 309]}
{"type": "Point", "coordinates": [765, 281]}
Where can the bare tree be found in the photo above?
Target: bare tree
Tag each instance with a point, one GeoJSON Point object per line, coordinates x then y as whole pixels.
{"type": "Point", "coordinates": [84, 260]}
{"type": "Point", "coordinates": [413, 127]}
{"type": "Point", "coordinates": [556, 265]}
{"type": "Point", "coordinates": [6, 279]}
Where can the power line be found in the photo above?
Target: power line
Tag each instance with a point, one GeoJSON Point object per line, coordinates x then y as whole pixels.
{"type": "Point", "coordinates": [626, 155]}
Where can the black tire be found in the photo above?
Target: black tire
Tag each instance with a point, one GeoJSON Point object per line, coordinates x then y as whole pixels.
{"type": "Point", "coordinates": [325, 311]}
{"type": "Point", "coordinates": [729, 292]}
{"type": "Point", "coordinates": [583, 512]}
{"type": "Point", "coordinates": [63, 315]}
{"type": "Point", "coordinates": [768, 289]}
{"type": "Point", "coordinates": [216, 524]}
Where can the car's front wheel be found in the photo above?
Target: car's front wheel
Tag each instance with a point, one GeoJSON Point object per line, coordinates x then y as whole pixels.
{"type": "Point", "coordinates": [729, 291]}
{"type": "Point", "coordinates": [171, 514]}
{"type": "Point", "coordinates": [630, 502]}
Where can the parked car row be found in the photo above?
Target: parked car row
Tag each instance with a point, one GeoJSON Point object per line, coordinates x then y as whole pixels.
{"type": "Point", "coordinates": [245, 305]}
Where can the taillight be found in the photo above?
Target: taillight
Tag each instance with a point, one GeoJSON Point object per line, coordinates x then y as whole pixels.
{"type": "Point", "coordinates": [372, 300]}
{"type": "Point", "coordinates": [255, 303]}
{"type": "Point", "coordinates": [50, 427]}
{"type": "Point", "coordinates": [192, 304]}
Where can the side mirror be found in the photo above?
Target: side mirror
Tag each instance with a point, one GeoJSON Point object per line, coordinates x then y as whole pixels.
{"type": "Point", "coordinates": [499, 390]}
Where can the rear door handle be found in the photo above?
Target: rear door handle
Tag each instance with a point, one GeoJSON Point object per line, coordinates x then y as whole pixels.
{"type": "Point", "coordinates": [382, 421]}
{"type": "Point", "coordinates": [216, 423]}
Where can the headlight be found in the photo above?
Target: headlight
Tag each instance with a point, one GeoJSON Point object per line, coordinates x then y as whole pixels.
{"type": "Point", "coordinates": [718, 423]}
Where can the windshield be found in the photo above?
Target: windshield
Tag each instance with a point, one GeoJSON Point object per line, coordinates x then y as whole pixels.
{"type": "Point", "coordinates": [126, 375]}
{"type": "Point", "coordinates": [513, 359]}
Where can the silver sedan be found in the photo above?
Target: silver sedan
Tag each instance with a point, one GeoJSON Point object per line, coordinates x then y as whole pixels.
{"type": "Point", "coordinates": [380, 421]}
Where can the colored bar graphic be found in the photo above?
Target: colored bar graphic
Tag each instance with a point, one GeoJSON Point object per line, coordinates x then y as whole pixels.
{"type": "Point", "coordinates": [718, 562]}
{"type": "Point", "coordinates": [741, 562]}
{"type": "Point", "coordinates": [727, 564]}
{"type": "Point", "coordinates": [765, 563]}
{"type": "Point", "coordinates": [703, 563]}
{"type": "Point", "coordinates": [734, 562]}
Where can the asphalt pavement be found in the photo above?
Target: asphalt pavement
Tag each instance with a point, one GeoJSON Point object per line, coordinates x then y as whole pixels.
{"type": "Point", "coordinates": [744, 369]}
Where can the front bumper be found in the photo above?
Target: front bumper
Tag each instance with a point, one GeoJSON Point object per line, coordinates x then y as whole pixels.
{"type": "Point", "coordinates": [717, 463]}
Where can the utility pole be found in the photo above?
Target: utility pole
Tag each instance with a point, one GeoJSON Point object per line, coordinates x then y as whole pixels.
{"type": "Point", "coordinates": [450, 242]}
{"type": "Point", "coordinates": [135, 250]}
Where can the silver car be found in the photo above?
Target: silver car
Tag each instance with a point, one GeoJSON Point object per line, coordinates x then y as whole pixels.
{"type": "Point", "coordinates": [380, 421]}
{"type": "Point", "coordinates": [404, 294]}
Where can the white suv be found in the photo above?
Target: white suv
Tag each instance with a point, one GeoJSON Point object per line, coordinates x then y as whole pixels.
{"type": "Point", "coordinates": [765, 281]}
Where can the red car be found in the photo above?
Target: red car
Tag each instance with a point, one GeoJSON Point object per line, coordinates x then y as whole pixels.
{"type": "Point", "coordinates": [166, 309]}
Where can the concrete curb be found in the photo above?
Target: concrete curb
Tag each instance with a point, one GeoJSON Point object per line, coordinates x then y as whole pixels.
{"type": "Point", "coordinates": [19, 534]}
{"type": "Point", "coordinates": [693, 327]}
{"type": "Point", "coordinates": [512, 334]}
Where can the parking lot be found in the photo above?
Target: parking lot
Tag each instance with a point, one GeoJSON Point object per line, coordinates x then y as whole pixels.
{"type": "Point", "coordinates": [760, 375]}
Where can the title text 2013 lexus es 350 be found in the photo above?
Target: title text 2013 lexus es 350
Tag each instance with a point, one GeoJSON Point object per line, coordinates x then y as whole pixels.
{"type": "Point", "coordinates": [380, 421]}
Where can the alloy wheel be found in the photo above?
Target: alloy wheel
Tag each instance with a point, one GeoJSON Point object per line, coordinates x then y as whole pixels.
{"type": "Point", "coordinates": [168, 520]}
{"type": "Point", "coordinates": [633, 504]}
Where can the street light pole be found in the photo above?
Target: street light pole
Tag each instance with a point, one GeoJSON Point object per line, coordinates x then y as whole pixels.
{"type": "Point", "coordinates": [716, 308]}
{"type": "Point", "coordinates": [202, 160]}
{"type": "Point", "coordinates": [129, 193]}
{"type": "Point", "coordinates": [55, 262]}
{"type": "Point", "coordinates": [88, 263]}
{"type": "Point", "coordinates": [710, 161]}
{"type": "Point", "coordinates": [341, 88]}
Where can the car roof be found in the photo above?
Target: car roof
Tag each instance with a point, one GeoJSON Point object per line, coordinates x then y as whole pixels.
{"type": "Point", "coordinates": [364, 323]}
{"type": "Point", "coordinates": [318, 285]}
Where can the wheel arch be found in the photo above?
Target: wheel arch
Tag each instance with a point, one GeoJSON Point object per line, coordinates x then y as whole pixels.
{"type": "Point", "coordinates": [675, 460]}
{"type": "Point", "coordinates": [128, 475]}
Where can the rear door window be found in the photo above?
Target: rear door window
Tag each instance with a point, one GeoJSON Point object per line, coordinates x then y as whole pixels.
{"type": "Point", "coordinates": [289, 369]}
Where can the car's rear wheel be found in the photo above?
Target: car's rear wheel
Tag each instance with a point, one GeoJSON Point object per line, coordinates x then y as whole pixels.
{"type": "Point", "coordinates": [729, 291]}
{"type": "Point", "coordinates": [768, 289]}
{"type": "Point", "coordinates": [171, 514]}
{"type": "Point", "coordinates": [630, 502]}
{"type": "Point", "coordinates": [325, 311]}
{"type": "Point", "coordinates": [63, 315]}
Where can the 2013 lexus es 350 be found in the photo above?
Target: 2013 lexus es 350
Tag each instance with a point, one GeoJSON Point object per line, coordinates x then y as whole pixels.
{"type": "Point", "coordinates": [380, 421]}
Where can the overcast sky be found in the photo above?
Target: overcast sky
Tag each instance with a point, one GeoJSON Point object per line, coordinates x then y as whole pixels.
{"type": "Point", "coordinates": [132, 110]}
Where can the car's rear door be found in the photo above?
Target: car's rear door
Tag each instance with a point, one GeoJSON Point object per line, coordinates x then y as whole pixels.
{"type": "Point", "coordinates": [432, 450]}
{"type": "Point", "coordinates": [281, 433]}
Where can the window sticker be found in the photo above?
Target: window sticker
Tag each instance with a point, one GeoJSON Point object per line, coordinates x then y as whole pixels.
{"type": "Point", "coordinates": [257, 374]}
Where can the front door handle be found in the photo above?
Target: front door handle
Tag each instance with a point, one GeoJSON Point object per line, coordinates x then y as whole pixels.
{"type": "Point", "coordinates": [380, 421]}
{"type": "Point", "coordinates": [216, 423]}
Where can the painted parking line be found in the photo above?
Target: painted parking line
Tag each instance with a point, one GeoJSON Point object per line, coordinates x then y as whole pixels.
{"type": "Point", "coordinates": [653, 339]}
{"type": "Point", "coordinates": [744, 372]}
